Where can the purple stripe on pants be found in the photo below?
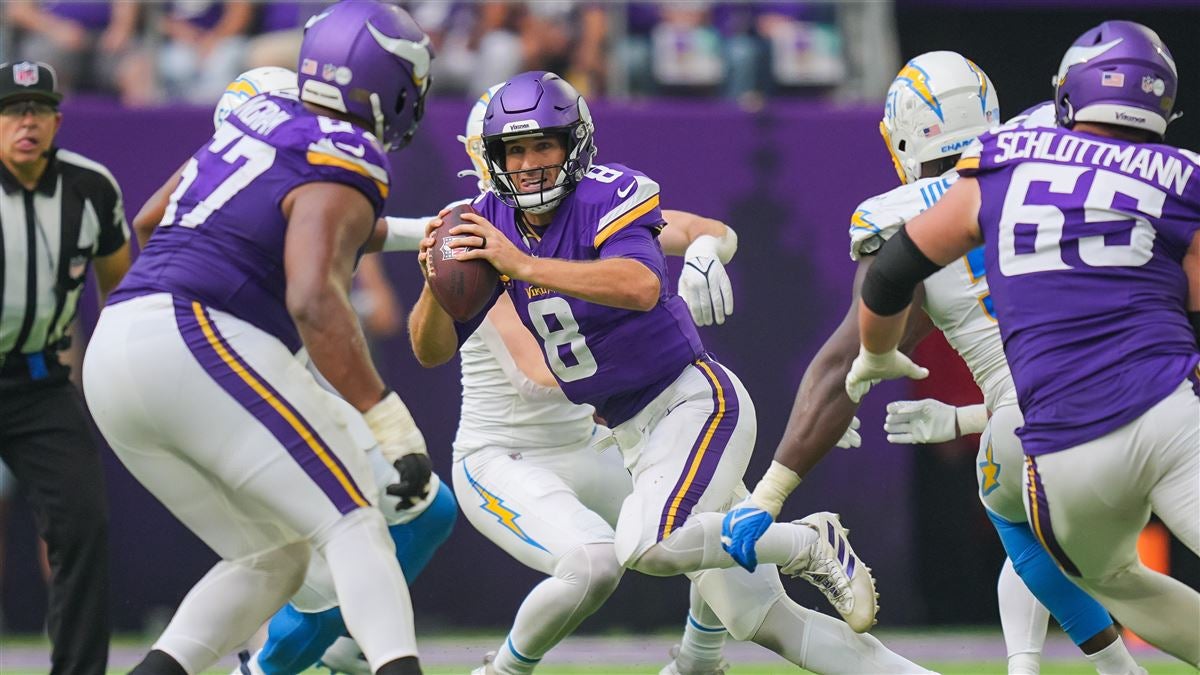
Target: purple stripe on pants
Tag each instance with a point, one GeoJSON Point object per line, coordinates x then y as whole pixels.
{"type": "Point", "coordinates": [706, 451]}
{"type": "Point", "coordinates": [1042, 526]}
{"type": "Point", "coordinates": [345, 497]}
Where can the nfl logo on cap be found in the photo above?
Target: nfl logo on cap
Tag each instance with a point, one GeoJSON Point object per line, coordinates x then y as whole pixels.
{"type": "Point", "coordinates": [25, 74]}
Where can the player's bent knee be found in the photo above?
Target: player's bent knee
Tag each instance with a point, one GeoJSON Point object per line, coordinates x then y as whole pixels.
{"type": "Point", "coordinates": [284, 565]}
{"type": "Point", "coordinates": [594, 566]}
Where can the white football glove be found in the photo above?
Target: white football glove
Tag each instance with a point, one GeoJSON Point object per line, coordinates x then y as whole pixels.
{"type": "Point", "coordinates": [851, 439]}
{"type": "Point", "coordinates": [924, 421]}
{"type": "Point", "coordinates": [704, 284]}
{"type": "Point", "coordinates": [869, 369]}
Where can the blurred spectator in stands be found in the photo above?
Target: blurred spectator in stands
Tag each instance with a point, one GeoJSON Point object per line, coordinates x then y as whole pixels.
{"type": "Point", "coordinates": [672, 47]}
{"type": "Point", "coordinates": [476, 43]}
{"type": "Point", "coordinates": [280, 28]}
{"type": "Point", "coordinates": [204, 49]}
{"type": "Point", "coordinates": [567, 38]}
{"type": "Point", "coordinates": [774, 47]}
{"type": "Point", "coordinates": [91, 45]}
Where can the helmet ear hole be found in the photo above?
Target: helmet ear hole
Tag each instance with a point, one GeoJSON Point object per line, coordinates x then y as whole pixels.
{"type": "Point", "coordinates": [401, 98]}
{"type": "Point", "coordinates": [902, 145]}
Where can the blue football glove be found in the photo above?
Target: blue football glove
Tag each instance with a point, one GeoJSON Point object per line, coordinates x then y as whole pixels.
{"type": "Point", "coordinates": [740, 531]}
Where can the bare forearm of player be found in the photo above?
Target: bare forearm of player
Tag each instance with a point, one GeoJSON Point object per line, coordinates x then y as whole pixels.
{"type": "Point", "coordinates": [822, 410]}
{"type": "Point", "coordinates": [683, 228]}
{"type": "Point", "coordinates": [335, 343]}
{"type": "Point", "coordinates": [327, 223]}
{"type": "Point", "coordinates": [431, 331]}
{"type": "Point", "coordinates": [110, 269]}
{"type": "Point", "coordinates": [151, 214]}
{"type": "Point", "coordinates": [615, 282]}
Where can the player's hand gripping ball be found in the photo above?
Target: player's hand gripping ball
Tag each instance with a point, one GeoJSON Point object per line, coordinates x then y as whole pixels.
{"type": "Point", "coordinates": [461, 287]}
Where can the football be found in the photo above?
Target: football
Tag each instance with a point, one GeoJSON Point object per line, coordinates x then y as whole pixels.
{"type": "Point", "coordinates": [462, 287]}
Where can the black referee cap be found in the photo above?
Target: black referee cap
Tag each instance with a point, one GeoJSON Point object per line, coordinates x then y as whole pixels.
{"type": "Point", "coordinates": [28, 81]}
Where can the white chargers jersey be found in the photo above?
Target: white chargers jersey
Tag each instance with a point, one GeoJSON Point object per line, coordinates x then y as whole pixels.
{"type": "Point", "coordinates": [956, 297]}
{"type": "Point", "coordinates": [501, 407]}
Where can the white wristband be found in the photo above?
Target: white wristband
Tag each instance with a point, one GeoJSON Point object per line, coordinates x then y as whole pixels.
{"type": "Point", "coordinates": [972, 419]}
{"type": "Point", "coordinates": [394, 428]}
{"type": "Point", "coordinates": [776, 484]}
{"type": "Point", "coordinates": [404, 234]}
{"type": "Point", "coordinates": [722, 248]}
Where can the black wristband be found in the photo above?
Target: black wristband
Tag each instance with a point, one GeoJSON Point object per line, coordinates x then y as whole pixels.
{"type": "Point", "coordinates": [897, 270]}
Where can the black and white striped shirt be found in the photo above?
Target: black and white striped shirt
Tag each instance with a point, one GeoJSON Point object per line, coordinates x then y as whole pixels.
{"type": "Point", "coordinates": [47, 237]}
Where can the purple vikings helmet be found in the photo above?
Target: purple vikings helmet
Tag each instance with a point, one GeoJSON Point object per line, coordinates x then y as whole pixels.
{"type": "Point", "coordinates": [371, 60]}
{"type": "Point", "coordinates": [533, 104]}
{"type": "Point", "coordinates": [1118, 73]}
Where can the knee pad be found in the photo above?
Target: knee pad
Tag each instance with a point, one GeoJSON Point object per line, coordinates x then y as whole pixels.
{"type": "Point", "coordinates": [594, 566]}
{"type": "Point", "coordinates": [286, 563]}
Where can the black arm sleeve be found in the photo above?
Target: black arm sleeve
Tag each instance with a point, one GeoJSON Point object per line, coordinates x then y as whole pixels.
{"type": "Point", "coordinates": [1194, 317]}
{"type": "Point", "coordinates": [897, 270]}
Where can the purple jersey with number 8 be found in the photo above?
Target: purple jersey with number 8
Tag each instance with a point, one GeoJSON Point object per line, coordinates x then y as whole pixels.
{"type": "Point", "coordinates": [1085, 238]}
{"type": "Point", "coordinates": [617, 360]}
{"type": "Point", "coordinates": [221, 239]}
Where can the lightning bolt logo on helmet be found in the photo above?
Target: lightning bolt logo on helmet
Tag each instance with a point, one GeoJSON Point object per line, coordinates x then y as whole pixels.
{"type": "Point", "coordinates": [918, 81]}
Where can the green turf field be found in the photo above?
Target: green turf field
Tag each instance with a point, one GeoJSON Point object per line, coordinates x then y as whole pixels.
{"type": "Point", "coordinates": [457, 654]}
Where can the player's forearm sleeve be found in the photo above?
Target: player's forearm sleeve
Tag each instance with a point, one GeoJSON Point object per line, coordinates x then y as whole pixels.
{"type": "Point", "coordinates": [897, 270]}
{"type": "Point", "coordinates": [1194, 318]}
{"type": "Point", "coordinates": [404, 234]}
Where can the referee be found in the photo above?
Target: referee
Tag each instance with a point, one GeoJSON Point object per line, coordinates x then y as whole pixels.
{"type": "Point", "coordinates": [58, 211]}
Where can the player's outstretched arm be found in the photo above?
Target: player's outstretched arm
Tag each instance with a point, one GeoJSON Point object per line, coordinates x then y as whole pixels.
{"type": "Point", "coordinates": [151, 214]}
{"type": "Point", "coordinates": [821, 415]}
{"type": "Point", "coordinates": [327, 222]}
{"type": "Point", "coordinates": [940, 235]}
{"type": "Point", "coordinates": [707, 245]}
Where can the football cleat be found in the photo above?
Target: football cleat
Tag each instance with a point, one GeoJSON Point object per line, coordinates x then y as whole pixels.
{"type": "Point", "coordinates": [675, 667]}
{"type": "Point", "coordinates": [831, 565]}
{"type": "Point", "coordinates": [247, 664]}
{"type": "Point", "coordinates": [486, 668]}
{"type": "Point", "coordinates": [344, 656]}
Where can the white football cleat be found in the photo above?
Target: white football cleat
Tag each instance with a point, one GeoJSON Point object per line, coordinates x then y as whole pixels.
{"type": "Point", "coordinates": [676, 668]}
{"type": "Point", "coordinates": [837, 572]}
{"type": "Point", "coordinates": [344, 656]}
{"type": "Point", "coordinates": [486, 668]}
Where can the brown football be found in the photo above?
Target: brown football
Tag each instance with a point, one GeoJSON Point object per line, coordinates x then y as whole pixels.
{"type": "Point", "coordinates": [462, 287]}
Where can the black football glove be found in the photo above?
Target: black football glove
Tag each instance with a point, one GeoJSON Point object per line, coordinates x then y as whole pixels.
{"type": "Point", "coordinates": [412, 486]}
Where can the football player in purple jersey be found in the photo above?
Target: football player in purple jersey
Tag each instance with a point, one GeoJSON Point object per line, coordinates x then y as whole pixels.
{"type": "Point", "coordinates": [576, 243]}
{"type": "Point", "coordinates": [192, 375]}
{"type": "Point", "coordinates": [1092, 246]}
{"type": "Point", "coordinates": [935, 108]}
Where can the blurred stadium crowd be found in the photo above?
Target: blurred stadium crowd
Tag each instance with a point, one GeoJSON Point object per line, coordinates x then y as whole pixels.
{"type": "Point", "coordinates": [152, 53]}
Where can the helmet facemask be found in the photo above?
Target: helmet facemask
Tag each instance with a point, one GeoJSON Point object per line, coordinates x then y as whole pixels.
{"type": "Point", "coordinates": [579, 149]}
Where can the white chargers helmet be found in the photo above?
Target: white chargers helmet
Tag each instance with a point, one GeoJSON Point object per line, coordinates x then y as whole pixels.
{"type": "Point", "coordinates": [250, 84]}
{"type": "Point", "coordinates": [473, 141]}
{"type": "Point", "coordinates": [936, 106]}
